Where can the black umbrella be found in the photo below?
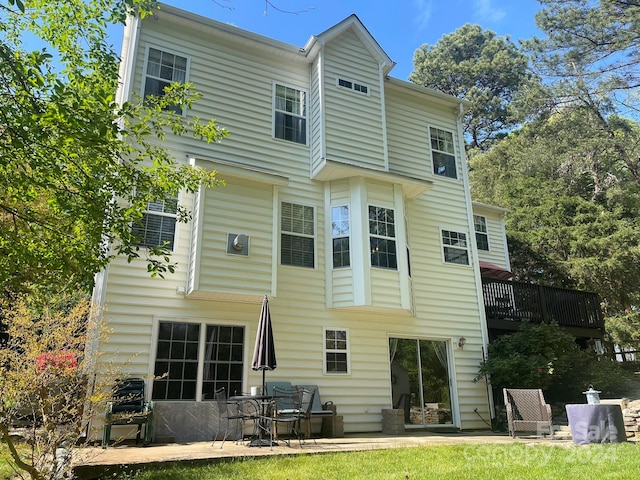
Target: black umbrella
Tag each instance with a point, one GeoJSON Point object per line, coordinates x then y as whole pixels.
{"type": "Point", "coordinates": [264, 352]}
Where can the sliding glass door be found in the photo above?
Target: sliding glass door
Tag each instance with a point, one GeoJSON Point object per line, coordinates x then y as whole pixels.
{"type": "Point", "coordinates": [420, 380]}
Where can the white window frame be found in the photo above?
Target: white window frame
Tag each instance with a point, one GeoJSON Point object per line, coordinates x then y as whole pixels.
{"type": "Point", "coordinates": [353, 86]}
{"type": "Point", "coordinates": [299, 234]}
{"type": "Point", "coordinates": [433, 150]}
{"type": "Point", "coordinates": [446, 246]}
{"type": "Point", "coordinates": [162, 214]}
{"type": "Point", "coordinates": [394, 239]}
{"type": "Point", "coordinates": [485, 233]}
{"type": "Point", "coordinates": [145, 73]}
{"type": "Point", "coordinates": [304, 116]}
{"type": "Point", "coordinates": [326, 351]}
{"type": "Point", "coordinates": [341, 235]}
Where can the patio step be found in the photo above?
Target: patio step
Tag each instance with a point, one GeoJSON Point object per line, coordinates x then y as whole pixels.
{"type": "Point", "coordinates": [562, 432]}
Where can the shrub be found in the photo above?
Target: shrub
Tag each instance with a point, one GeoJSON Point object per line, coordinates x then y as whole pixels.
{"type": "Point", "coordinates": [547, 357]}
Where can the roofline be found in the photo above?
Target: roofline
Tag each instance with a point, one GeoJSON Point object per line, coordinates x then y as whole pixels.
{"type": "Point", "coordinates": [319, 40]}
{"type": "Point", "coordinates": [488, 206]}
{"type": "Point", "coordinates": [443, 97]}
{"type": "Point", "coordinates": [229, 29]}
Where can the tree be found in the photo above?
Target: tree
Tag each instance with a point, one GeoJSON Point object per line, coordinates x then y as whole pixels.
{"type": "Point", "coordinates": [573, 204]}
{"type": "Point", "coordinates": [43, 382]}
{"type": "Point", "coordinates": [487, 70]}
{"type": "Point", "coordinates": [76, 169]}
{"type": "Point", "coordinates": [591, 42]}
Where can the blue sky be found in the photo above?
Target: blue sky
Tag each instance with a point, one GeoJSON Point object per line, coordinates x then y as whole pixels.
{"type": "Point", "coordinates": [399, 26]}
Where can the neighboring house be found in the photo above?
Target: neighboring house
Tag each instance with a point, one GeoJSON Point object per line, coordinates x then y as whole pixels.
{"type": "Point", "coordinates": [346, 202]}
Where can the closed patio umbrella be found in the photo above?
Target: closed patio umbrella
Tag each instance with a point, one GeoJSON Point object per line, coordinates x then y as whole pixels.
{"type": "Point", "coordinates": [264, 352]}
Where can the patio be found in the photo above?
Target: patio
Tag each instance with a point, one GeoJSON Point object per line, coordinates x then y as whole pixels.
{"type": "Point", "coordinates": [94, 462]}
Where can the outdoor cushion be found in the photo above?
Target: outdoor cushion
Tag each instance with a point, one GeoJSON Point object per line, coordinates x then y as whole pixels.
{"type": "Point", "coordinates": [318, 408]}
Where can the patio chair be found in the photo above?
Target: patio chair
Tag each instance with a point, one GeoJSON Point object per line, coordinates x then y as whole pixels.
{"type": "Point", "coordinates": [232, 412]}
{"type": "Point", "coordinates": [527, 411]}
{"type": "Point", "coordinates": [324, 410]}
{"type": "Point", "coordinates": [129, 407]}
{"type": "Point", "coordinates": [290, 407]}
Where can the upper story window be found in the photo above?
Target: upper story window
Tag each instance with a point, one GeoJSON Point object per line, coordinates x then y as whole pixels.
{"type": "Point", "coordinates": [480, 226]}
{"type": "Point", "coordinates": [157, 227]}
{"type": "Point", "coordinates": [356, 87]}
{"type": "Point", "coordinates": [290, 114]}
{"type": "Point", "coordinates": [297, 235]}
{"type": "Point", "coordinates": [382, 238]}
{"type": "Point", "coordinates": [336, 351]}
{"type": "Point", "coordinates": [340, 236]}
{"type": "Point", "coordinates": [455, 247]}
{"type": "Point", "coordinates": [443, 153]}
{"type": "Point", "coordinates": [163, 69]}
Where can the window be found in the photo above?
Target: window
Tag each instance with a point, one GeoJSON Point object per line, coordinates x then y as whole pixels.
{"type": "Point", "coordinates": [382, 234]}
{"type": "Point", "coordinates": [480, 226]}
{"type": "Point", "coordinates": [290, 114]}
{"type": "Point", "coordinates": [177, 360]}
{"type": "Point", "coordinates": [223, 360]}
{"type": "Point", "coordinates": [157, 227]}
{"type": "Point", "coordinates": [163, 69]}
{"type": "Point", "coordinates": [336, 351]}
{"type": "Point", "coordinates": [297, 229]}
{"type": "Point", "coordinates": [443, 153]}
{"type": "Point", "coordinates": [357, 87]}
{"type": "Point", "coordinates": [340, 234]}
{"type": "Point", "coordinates": [455, 247]}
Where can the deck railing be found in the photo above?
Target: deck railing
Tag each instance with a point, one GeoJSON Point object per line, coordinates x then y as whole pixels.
{"type": "Point", "coordinates": [519, 301]}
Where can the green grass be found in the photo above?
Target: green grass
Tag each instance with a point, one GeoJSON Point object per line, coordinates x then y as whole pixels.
{"type": "Point", "coordinates": [521, 461]}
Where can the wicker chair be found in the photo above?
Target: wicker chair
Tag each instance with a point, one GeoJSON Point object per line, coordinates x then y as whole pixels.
{"type": "Point", "coordinates": [527, 411]}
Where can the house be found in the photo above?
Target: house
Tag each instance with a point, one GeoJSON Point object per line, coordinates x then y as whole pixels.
{"type": "Point", "coordinates": [346, 202]}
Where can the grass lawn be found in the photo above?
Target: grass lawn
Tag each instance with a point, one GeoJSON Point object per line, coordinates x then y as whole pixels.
{"type": "Point", "coordinates": [521, 461]}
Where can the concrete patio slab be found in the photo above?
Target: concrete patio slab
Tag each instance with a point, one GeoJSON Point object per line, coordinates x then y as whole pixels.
{"type": "Point", "coordinates": [92, 462]}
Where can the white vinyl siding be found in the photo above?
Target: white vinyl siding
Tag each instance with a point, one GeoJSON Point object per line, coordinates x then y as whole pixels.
{"type": "Point", "coordinates": [496, 237]}
{"type": "Point", "coordinates": [354, 127]}
{"type": "Point", "coordinates": [408, 139]}
{"type": "Point", "coordinates": [241, 207]}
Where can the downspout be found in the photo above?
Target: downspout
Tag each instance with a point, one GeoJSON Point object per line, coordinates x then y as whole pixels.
{"type": "Point", "coordinates": [474, 253]}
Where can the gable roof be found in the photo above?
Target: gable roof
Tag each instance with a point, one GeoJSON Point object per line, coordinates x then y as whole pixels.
{"type": "Point", "coordinates": [353, 23]}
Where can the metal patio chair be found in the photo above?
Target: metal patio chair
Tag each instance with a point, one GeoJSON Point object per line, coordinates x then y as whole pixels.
{"type": "Point", "coordinates": [527, 411]}
{"type": "Point", "coordinates": [290, 407]}
{"type": "Point", "coordinates": [234, 412]}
